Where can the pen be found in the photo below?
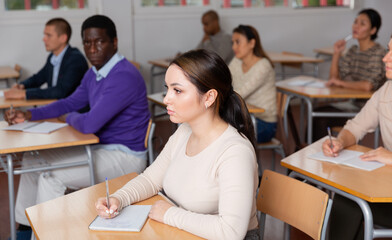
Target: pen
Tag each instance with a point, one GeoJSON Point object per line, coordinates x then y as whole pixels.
{"type": "Point", "coordinates": [348, 37]}
{"type": "Point", "coordinates": [330, 137]}
{"type": "Point", "coordinates": [11, 114]}
{"type": "Point", "coordinates": [107, 193]}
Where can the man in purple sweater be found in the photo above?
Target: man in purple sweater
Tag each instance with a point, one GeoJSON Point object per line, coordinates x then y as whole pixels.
{"type": "Point", "coordinates": [118, 115]}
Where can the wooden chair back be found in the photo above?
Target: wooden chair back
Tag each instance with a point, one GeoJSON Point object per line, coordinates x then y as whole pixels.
{"type": "Point", "coordinates": [293, 202]}
{"type": "Point", "coordinates": [148, 141]}
{"type": "Point", "coordinates": [136, 64]}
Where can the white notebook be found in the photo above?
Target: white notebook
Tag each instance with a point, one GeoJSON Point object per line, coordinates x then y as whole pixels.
{"type": "Point", "coordinates": [36, 127]}
{"type": "Point", "coordinates": [349, 158]}
{"type": "Point", "coordinates": [130, 219]}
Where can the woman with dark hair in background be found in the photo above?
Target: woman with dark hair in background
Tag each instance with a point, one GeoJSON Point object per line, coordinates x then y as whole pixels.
{"type": "Point", "coordinates": [361, 68]}
{"type": "Point", "coordinates": [208, 166]}
{"type": "Point", "coordinates": [254, 78]}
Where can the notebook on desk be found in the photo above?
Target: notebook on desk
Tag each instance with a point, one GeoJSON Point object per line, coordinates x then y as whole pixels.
{"type": "Point", "coordinates": [348, 158]}
{"type": "Point", "coordinates": [36, 127]}
{"type": "Point", "coordinates": [130, 219]}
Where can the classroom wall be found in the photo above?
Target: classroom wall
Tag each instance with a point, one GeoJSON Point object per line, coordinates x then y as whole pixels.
{"type": "Point", "coordinates": [146, 35]}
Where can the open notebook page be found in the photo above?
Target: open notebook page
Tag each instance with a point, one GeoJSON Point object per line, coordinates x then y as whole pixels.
{"type": "Point", "coordinates": [349, 158]}
{"type": "Point", "coordinates": [130, 219]}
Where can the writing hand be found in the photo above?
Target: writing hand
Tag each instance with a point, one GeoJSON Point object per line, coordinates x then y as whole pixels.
{"type": "Point", "coordinates": [15, 116]}
{"type": "Point", "coordinates": [18, 86]}
{"type": "Point", "coordinates": [158, 210]}
{"type": "Point", "coordinates": [102, 207]}
{"type": "Point", "coordinates": [337, 146]}
{"type": "Point", "coordinates": [380, 154]}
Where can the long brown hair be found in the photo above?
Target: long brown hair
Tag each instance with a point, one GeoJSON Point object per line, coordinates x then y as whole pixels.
{"type": "Point", "coordinates": [206, 70]}
{"type": "Point", "coordinates": [251, 33]}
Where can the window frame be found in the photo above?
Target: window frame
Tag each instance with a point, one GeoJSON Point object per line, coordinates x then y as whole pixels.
{"type": "Point", "coordinates": [19, 17]}
{"type": "Point", "coordinates": [169, 12]}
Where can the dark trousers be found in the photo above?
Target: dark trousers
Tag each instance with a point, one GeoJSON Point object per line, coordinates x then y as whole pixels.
{"type": "Point", "coordinates": [346, 221]}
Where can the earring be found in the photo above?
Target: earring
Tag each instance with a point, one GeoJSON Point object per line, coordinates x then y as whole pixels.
{"type": "Point", "coordinates": [206, 105]}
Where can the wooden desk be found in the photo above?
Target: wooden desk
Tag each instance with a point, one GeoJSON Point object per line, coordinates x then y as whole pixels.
{"type": "Point", "coordinates": [68, 217]}
{"type": "Point", "coordinates": [355, 184]}
{"type": "Point", "coordinates": [24, 103]}
{"type": "Point", "coordinates": [7, 72]}
{"type": "Point", "coordinates": [308, 94]}
{"type": "Point", "coordinates": [17, 141]}
{"type": "Point", "coordinates": [162, 65]}
{"type": "Point", "coordinates": [326, 51]}
{"type": "Point", "coordinates": [285, 58]}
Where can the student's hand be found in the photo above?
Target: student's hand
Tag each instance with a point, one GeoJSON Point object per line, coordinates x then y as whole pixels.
{"type": "Point", "coordinates": [334, 82]}
{"type": "Point", "coordinates": [18, 86]}
{"type": "Point", "coordinates": [334, 151]}
{"type": "Point", "coordinates": [102, 207]}
{"type": "Point", "coordinates": [158, 210]}
{"type": "Point", "coordinates": [380, 154]}
{"type": "Point", "coordinates": [15, 93]}
{"type": "Point", "coordinates": [339, 46]}
{"type": "Point", "coordinates": [16, 116]}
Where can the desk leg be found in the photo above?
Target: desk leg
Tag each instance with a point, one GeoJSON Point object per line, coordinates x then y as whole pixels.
{"type": "Point", "coordinates": [285, 116]}
{"type": "Point", "coordinates": [11, 196]}
{"type": "Point", "coordinates": [316, 70]}
{"type": "Point", "coordinates": [90, 161]}
{"type": "Point", "coordinates": [301, 122]}
{"type": "Point", "coordinates": [310, 119]}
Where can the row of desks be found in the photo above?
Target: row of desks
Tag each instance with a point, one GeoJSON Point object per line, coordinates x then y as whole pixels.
{"type": "Point", "coordinates": [358, 185]}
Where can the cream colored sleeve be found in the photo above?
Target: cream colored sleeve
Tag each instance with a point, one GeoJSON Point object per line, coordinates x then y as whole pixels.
{"type": "Point", "coordinates": [148, 183]}
{"type": "Point", "coordinates": [236, 176]}
{"type": "Point", "coordinates": [367, 119]}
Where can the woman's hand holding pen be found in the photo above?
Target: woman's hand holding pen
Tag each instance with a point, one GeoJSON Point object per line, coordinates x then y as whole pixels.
{"type": "Point", "coordinates": [339, 46]}
{"type": "Point", "coordinates": [332, 150]}
{"type": "Point", "coordinates": [102, 207]}
{"type": "Point", "coordinates": [158, 210]}
{"type": "Point", "coordinates": [380, 154]}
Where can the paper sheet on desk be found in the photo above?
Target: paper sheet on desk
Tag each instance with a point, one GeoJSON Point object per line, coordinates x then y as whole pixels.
{"type": "Point", "coordinates": [130, 219]}
{"type": "Point", "coordinates": [36, 127]}
{"type": "Point", "coordinates": [1, 93]}
{"type": "Point", "coordinates": [349, 158]}
{"type": "Point", "coordinates": [306, 83]}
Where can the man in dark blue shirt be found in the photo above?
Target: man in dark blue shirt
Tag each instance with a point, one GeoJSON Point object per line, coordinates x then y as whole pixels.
{"type": "Point", "coordinates": [63, 71]}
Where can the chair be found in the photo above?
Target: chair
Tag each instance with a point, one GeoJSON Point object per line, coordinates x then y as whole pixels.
{"type": "Point", "coordinates": [136, 64]}
{"type": "Point", "coordinates": [275, 144]}
{"type": "Point", "coordinates": [294, 202]}
{"type": "Point", "coordinates": [148, 141]}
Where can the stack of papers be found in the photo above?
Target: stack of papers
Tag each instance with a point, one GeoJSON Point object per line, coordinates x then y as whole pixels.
{"type": "Point", "coordinates": [349, 158]}
{"type": "Point", "coordinates": [307, 83]}
{"type": "Point", "coordinates": [130, 219]}
{"type": "Point", "coordinates": [36, 127]}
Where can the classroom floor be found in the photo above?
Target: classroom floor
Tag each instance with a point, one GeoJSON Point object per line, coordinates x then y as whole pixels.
{"type": "Point", "coordinates": [274, 228]}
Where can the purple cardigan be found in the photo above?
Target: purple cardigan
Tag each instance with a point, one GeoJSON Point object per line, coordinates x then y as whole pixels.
{"type": "Point", "coordinates": [118, 113]}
